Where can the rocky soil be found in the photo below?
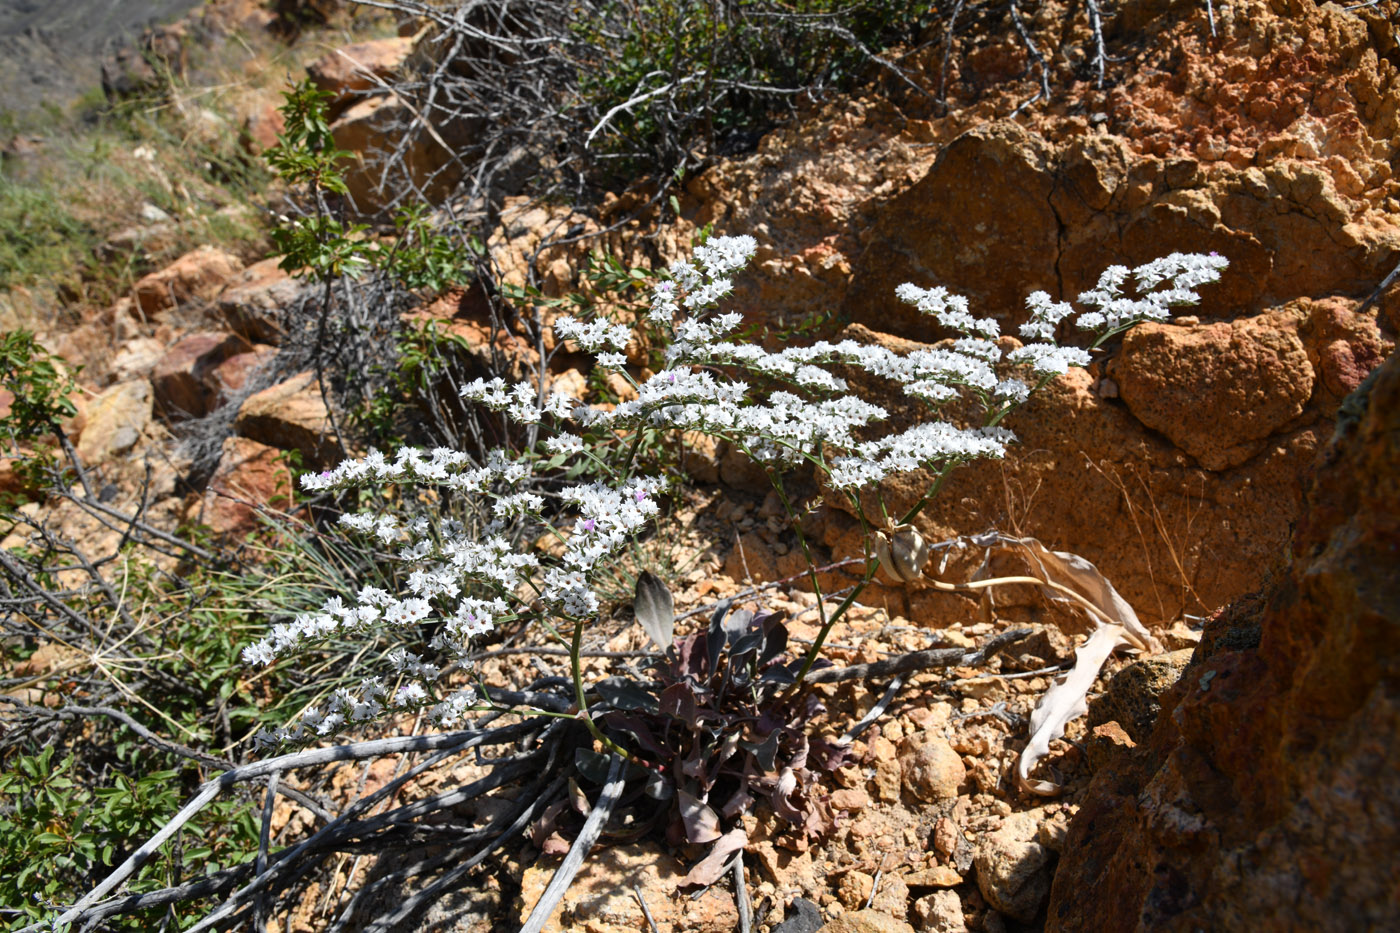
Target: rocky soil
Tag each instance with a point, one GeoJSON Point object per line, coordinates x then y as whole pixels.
{"type": "Point", "coordinates": [1243, 781]}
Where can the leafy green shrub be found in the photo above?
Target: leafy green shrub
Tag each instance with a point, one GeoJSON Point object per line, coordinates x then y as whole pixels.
{"type": "Point", "coordinates": [58, 833]}
{"type": "Point", "coordinates": [666, 74]}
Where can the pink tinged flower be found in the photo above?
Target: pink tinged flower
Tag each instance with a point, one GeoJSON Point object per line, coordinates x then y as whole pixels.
{"type": "Point", "coordinates": [589, 524]}
{"type": "Point", "coordinates": [641, 495]}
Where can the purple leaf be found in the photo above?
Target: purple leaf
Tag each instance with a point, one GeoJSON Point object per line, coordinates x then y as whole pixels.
{"type": "Point", "coordinates": [701, 823]}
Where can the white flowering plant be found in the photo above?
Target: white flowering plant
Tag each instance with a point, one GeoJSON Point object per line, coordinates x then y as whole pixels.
{"type": "Point", "coordinates": [783, 408]}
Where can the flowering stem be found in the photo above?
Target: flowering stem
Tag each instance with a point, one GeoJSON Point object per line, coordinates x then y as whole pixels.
{"type": "Point", "coordinates": [928, 496]}
{"type": "Point", "coordinates": [632, 455]}
{"type": "Point", "coordinates": [830, 622]}
{"type": "Point", "coordinates": [576, 667]}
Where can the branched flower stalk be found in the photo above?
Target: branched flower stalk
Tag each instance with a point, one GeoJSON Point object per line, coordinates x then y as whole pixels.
{"type": "Point", "coordinates": [782, 408]}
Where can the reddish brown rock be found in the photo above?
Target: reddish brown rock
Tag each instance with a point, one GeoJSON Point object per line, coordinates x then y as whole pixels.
{"type": "Point", "coordinates": [183, 380]}
{"type": "Point", "coordinates": [195, 277]}
{"type": "Point", "coordinates": [994, 241]}
{"type": "Point", "coordinates": [251, 302]}
{"type": "Point", "coordinates": [250, 478]}
{"type": "Point", "coordinates": [261, 129]}
{"type": "Point", "coordinates": [1343, 346]}
{"type": "Point", "coordinates": [233, 374]}
{"type": "Point", "coordinates": [375, 125]}
{"type": "Point", "coordinates": [359, 67]}
{"type": "Point", "coordinates": [1217, 391]}
{"type": "Point", "coordinates": [1266, 796]}
{"type": "Point", "coordinates": [290, 416]}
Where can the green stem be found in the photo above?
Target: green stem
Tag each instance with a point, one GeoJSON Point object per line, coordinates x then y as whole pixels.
{"type": "Point", "coordinates": [943, 474]}
{"type": "Point", "coordinates": [632, 455]}
{"type": "Point", "coordinates": [575, 665]}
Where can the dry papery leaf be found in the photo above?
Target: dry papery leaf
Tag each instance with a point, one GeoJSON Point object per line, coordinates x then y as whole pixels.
{"type": "Point", "coordinates": [1067, 578]}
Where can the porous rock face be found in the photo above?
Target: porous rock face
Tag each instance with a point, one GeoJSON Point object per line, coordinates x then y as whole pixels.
{"type": "Point", "coordinates": [1174, 464]}
{"type": "Point", "coordinates": [1266, 797]}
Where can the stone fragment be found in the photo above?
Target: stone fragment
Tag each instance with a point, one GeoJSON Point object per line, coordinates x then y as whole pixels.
{"type": "Point", "coordinates": [290, 416]}
{"type": "Point", "coordinates": [854, 889]}
{"type": "Point", "coordinates": [939, 912]}
{"type": "Point", "coordinates": [802, 916]}
{"type": "Point", "coordinates": [1133, 697]}
{"type": "Point", "coordinates": [183, 380]}
{"type": "Point", "coordinates": [1218, 391]}
{"type": "Point", "coordinates": [888, 773]}
{"type": "Point", "coordinates": [195, 277]}
{"type": "Point", "coordinates": [939, 876]}
{"type": "Point", "coordinates": [866, 921]}
{"type": "Point", "coordinates": [1013, 869]}
{"type": "Point", "coordinates": [115, 421]}
{"type": "Point", "coordinates": [850, 798]}
{"type": "Point", "coordinates": [1104, 744]}
{"type": "Point", "coordinates": [930, 768]}
{"type": "Point", "coordinates": [601, 898]}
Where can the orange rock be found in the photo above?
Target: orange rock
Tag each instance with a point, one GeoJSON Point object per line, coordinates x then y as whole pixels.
{"type": "Point", "coordinates": [250, 303]}
{"type": "Point", "coordinates": [195, 277]}
{"type": "Point", "coordinates": [290, 416]}
{"type": "Point", "coordinates": [355, 68]}
{"type": "Point", "coordinates": [183, 379]}
{"type": "Point", "coordinates": [250, 476]}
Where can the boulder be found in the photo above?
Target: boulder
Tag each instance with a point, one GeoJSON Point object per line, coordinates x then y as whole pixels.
{"type": "Point", "coordinates": [373, 126]}
{"type": "Point", "coordinates": [251, 303]}
{"type": "Point", "coordinates": [1265, 797]}
{"type": "Point", "coordinates": [1013, 867]}
{"type": "Point", "coordinates": [183, 379]}
{"type": "Point", "coordinates": [932, 770]}
{"type": "Point", "coordinates": [235, 374]}
{"type": "Point", "coordinates": [1133, 698]}
{"type": "Point", "coordinates": [1217, 391]}
{"type": "Point", "coordinates": [994, 242]}
{"type": "Point", "coordinates": [290, 416]}
{"type": "Point", "coordinates": [940, 912]}
{"type": "Point", "coordinates": [195, 277]}
{"type": "Point", "coordinates": [602, 899]}
{"type": "Point", "coordinates": [115, 421]}
{"type": "Point", "coordinates": [136, 358]}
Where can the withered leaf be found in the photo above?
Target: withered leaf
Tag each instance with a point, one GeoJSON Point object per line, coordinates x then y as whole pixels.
{"type": "Point", "coordinates": [701, 822]}
{"type": "Point", "coordinates": [711, 868]}
{"type": "Point", "coordinates": [655, 609]}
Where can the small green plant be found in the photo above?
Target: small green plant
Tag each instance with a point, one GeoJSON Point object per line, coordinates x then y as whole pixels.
{"type": "Point", "coordinates": [57, 833]}
{"type": "Point", "coordinates": [40, 389]}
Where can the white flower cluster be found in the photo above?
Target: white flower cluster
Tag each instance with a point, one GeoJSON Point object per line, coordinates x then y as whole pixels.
{"type": "Point", "coordinates": [1181, 273]}
{"type": "Point", "coordinates": [799, 408]}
